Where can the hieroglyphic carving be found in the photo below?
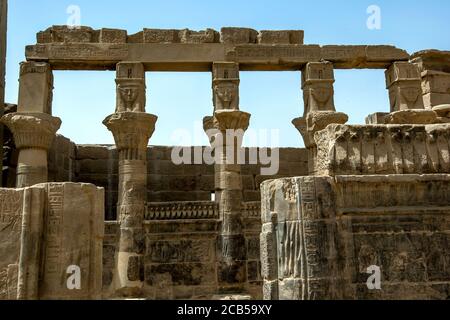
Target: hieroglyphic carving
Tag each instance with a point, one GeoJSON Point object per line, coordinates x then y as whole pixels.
{"type": "Point", "coordinates": [294, 54]}
{"type": "Point", "coordinates": [54, 228]}
{"type": "Point", "coordinates": [305, 239]}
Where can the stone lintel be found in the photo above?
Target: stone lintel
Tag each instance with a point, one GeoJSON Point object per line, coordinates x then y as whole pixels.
{"type": "Point", "coordinates": [200, 56]}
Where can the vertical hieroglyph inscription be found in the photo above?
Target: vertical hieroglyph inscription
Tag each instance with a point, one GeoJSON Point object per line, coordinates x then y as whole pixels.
{"type": "Point", "coordinates": [53, 245]}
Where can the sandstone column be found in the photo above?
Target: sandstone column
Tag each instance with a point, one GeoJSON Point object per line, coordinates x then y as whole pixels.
{"type": "Point", "coordinates": [132, 129]}
{"type": "Point", "coordinates": [226, 129]}
{"type": "Point", "coordinates": [33, 126]}
{"type": "Point", "coordinates": [3, 37]}
{"type": "Point", "coordinates": [318, 95]}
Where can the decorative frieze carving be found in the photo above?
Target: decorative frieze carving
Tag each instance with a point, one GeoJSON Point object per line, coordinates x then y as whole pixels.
{"type": "Point", "coordinates": [382, 149]}
{"type": "Point", "coordinates": [194, 210]}
{"type": "Point", "coordinates": [182, 210]}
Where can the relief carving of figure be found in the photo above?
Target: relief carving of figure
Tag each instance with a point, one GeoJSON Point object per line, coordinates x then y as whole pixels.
{"type": "Point", "coordinates": [410, 94]}
{"type": "Point", "coordinates": [128, 96]}
{"type": "Point", "coordinates": [226, 95]}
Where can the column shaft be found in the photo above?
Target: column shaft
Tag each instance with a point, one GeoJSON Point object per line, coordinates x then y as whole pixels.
{"type": "Point", "coordinates": [3, 37]}
{"type": "Point", "coordinates": [132, 129]}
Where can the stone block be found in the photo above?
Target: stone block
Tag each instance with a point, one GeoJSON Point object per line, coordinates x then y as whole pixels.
{"type": "Point", "coordinates": [113, 36]}
{"type": "Point", "coordinates": [238, 35]}
{"type": "Point", "coordinates": [92, 152]}
{"type": "Point", "coordinates": [377, 118]}
{"type": "Point", "coordinates": [35, 87]}
{"type": "Point", "coordinates": [206, 36]}
{"type": "Point", "coordinates": [161, 36]}
{"type": "Point", "coordinates": [57, 227]}
{"type": "Point", "coordinates": [281, 37]}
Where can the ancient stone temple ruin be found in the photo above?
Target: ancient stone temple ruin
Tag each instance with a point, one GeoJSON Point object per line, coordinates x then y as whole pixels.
{"type": "Point", "coordinates": [130, 223]}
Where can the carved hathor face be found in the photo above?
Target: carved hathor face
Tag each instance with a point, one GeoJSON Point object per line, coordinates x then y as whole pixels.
{"type": "Point", "coordinates": [322, 94]}
{"type": "Point", "coordinates": [226, 93]}
{"type": "Point", "coordinates": [410, 94]}
{"type": "Point", "coordinates": [129, 93]}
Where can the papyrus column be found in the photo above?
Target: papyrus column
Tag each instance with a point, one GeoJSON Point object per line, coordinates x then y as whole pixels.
{"type": "Point", "coordinates": [132, 131]}
{"type": "Point", "coordinates": [33, 126]}
{"type": "Point", "coordinates": [232, 264]}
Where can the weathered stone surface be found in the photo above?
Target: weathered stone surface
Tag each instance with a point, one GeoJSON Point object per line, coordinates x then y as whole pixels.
{"type": "Point", "coordinates": [3, 43]}
{"type": "Point", "coordinates": [377, 118]}
{"type": "Point", "coordinates": [238, 35]}
{"type": "Point", "coordinates": [35, 87]}
{"type": "Point", "coordinates": [207, 36]}
{"type": "Point", "coordinates": [160, 50]}
{"type": "Point", "coordinates": [71, 208]}
{"type": "Point", "coordinates": [349, 223]}
{"type": "Point", "coordinates": [130, 87]}
{"type": "Point", "coordinates": [226, 86]}
{"type": "Point", "coordinates": [403, 81]}
{"type": "Point", "coordinates": [33, 136]}
{"type": "Point", "coordinates": [378, 149]}
{"type": "Point", "coordinates": [281, 37]}
{"type": "Point", "coordinates": [113, 36]}
{"type": "Point", "coordinates": [67, 35]}
{"type": "Point", "coordinates": [161, 36]}
{"type": "Point", "coordinates": [432, 60]}
{"type": "Point", "coordinates": [412, 116]}
{"type": "Point", "coordinates": [42, 239]}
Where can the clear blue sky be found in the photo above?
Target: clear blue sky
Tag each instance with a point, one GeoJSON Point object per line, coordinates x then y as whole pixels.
{"type": "Point", "coordinates": [83, 99]}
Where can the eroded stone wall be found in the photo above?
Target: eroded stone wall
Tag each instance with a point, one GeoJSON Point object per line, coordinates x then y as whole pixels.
{"type": "Point", "coordinates": [49, 232]}
{"type": "Point", "coordinates": [168, 182]}
{"type": "Point", "coordinates": [180, 259]}
{"type": "Point", "coordinates": [321, 234]}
